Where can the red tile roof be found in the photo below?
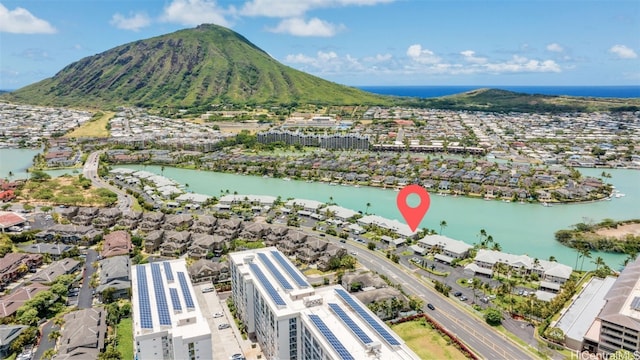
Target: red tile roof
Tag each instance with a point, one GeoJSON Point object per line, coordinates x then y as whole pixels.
{"type": "Point", "coordinates": [8, 219]}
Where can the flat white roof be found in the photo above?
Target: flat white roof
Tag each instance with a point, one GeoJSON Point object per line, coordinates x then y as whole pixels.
{"type": "Point", "coordinates": [148, 300]}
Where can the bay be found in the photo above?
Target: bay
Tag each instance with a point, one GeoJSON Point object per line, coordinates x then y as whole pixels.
{"type": "Point", "coordinates": [519, 228]}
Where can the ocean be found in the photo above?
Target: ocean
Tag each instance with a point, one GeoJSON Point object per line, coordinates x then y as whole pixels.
{"type": "Point", "coordinates": [436, 91]}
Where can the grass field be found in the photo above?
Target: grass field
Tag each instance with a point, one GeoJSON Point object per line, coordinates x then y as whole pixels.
{"type": "Point", "coordinates": [426, 342]}
{"type": "Point", "coordinates": [96, 127]}
{"type": "Point", "coordinates": [125, 338]}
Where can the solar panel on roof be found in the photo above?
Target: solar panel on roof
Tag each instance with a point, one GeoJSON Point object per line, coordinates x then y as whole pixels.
{"type": "Point", "coordinates": [287, 266]}
{"type": "Point", "coordinates": [161, 298]}
{"type": "Point", "coordinates": [146, 321]}
{"type": "Point", "coordinates": [167, 270]}
{"type": "Point", "coordinates": [635, 303]}
{"type": "Point", "coordinates": [175, 299]}
{"type": "Point", "coordinates": [275, 272]}
{"type": "Point", "coordinates": [375, 324]}
{"type": "Point", "coordinates": [273, 293]}
{"type": "Point", "coordinates": [185, 290]}
{"type": "Point", "coordinates": [347, 320]}
{"type": "Point", "coordinates": [331, 337]}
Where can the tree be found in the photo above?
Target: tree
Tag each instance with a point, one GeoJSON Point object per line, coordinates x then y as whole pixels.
{"type": "Point", "coordinates": [443, 224]}
{"type": "Point", "coordinates": [366, 211]}
{"type": "Point", "coordinates": [599, 261]}
{"type": "Point", "coordinates": [54, 335]}
{"type": "Point", "coordinates": [108, 295]}
{"type": "Point", "coordinates": [49, 353]}
{"type": "Point", "coordinates": [493, 316]}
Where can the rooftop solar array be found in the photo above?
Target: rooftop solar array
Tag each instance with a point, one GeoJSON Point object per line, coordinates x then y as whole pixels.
{"type": "Point", "coordinates": [347, 320]}
{"type": "Point", "coordinates": [273, 293]}
{"type": "Point", "coordinates": [375, 324]}
{"type": "Point", "coordinates": [167, 270]}
{"type": "Point", "coordinates": [635, 303]}
{"type": "Point", "coordinates": [275, 272]}
{"type": "Point", "coordinates": [161, 298]}
{"type": "Point", "coordinates": [185, 290]}
{"type": "Point", "coordinates": [146, 321]}
{"type": "Point", "coordinates": [287, 266]}
{"type": "Point", "coordinates": [331, 337]}
{"type": "Point", "coordinates": [175, 300]}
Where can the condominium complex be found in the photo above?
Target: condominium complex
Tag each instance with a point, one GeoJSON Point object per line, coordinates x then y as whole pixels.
{"type": "Point", "coordinates": [618, 324]}
{"type": "Point", "coordinates": [290, 319]}
{"type": "Point", "coordinates": [167, 321]}
{"type": "Point", "coordinates": [325, 141]}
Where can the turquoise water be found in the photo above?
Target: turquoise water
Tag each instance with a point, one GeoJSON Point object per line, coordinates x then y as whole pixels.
{"type": "Point", "coordinates": [519, 228]}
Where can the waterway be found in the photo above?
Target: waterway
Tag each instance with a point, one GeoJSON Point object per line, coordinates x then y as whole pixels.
{"type": "Point", "coordinates": [519, 228]}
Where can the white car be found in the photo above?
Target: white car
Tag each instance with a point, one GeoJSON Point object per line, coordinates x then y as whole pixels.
{"type": "Point", "coordinates": [218, 315]}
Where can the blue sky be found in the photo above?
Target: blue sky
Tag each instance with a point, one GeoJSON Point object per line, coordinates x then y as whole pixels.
{"type": "Point", "coordinates": [351, 42]}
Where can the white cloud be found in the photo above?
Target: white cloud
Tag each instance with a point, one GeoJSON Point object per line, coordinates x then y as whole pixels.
{"type": "Point", "coordinates": [134, 22]}
{"type": "Point", "coordinates": [419, 61]}
{"type": "Point", "coordinates": [195, 12]}
{"type": "Point", "coordinates": [623, 52]}
{"type": "Point", "coordinates": [470, 56]}
{"type": "Point", "coordinates": [426, 56]}
{"type": "Point", "coordinates": [555, 47]}
{"type": "Point", "coordinates": [21, 21]}
{"type": "Point", "coordinates": [35, 54]}
{"type": "Point", "coordinates": [314, 27]}
{"type": "Point", "coordinates": [297, 8]}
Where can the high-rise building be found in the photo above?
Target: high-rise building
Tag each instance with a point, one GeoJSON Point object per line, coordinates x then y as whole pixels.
{"type": "Point", "coordinates": [618, 324]}
{"type": "Point", "coordinates": [167, 321]}
{"type": "Point", "coordinates": [293, 320]}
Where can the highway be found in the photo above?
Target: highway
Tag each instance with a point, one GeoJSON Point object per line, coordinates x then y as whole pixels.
{"type": "Point", "coordinates": [90, 171]}
{"type": "Point", "coordinates": [480, 337]}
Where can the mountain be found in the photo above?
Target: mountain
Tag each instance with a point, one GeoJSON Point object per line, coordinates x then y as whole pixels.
{"type": "Point", "coordinates": [496, 100]}
{"type": "Point", "coordinates": [188, 68]}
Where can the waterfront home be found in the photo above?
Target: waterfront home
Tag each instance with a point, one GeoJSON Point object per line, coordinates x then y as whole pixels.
{"type": "Point", "coordinates": [446, 249]}
{"type": "Point", "coordinates": [548, 271]}
{"type": "Point", "coordinates": [340, 212]}
{"type": "Point", "coordinates": [399, 228]}
{"type": "Point", "coordinates": [308, 205]}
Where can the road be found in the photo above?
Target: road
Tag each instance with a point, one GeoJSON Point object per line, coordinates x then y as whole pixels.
{"type": "Point", "coordinates": [484, 340]}
{"type": "Point", "coordinates": [45, 343]}
{"type": "Point", "coordinates": [85, 296]}
{"type": "Point", "coordinates": [90, 171]}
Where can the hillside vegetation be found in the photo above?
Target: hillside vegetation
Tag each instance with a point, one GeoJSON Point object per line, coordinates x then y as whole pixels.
{"type": "Point", "coordinates": [188, 68]}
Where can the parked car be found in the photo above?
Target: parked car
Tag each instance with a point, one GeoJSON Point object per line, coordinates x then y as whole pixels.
{"type": "Point", "coordinates": [207, 289]}
{"type": "Point", "coordinates": [223, 326]}
{"type": "Point", "coordinates": [218, 315]}
{"type": "Point", "coordinates": [457, 293]}
{"type": "Point", "coordinates": [236, 357]}
{"type": "Point", "coordinates": [430, 306]}
{"type": "Point", "coordinates": [463, 298]}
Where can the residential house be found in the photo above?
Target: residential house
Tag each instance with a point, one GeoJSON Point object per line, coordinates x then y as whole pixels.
{"type": "Point", "coordinates": [116, 243]}
{"type": "Point", "coordinates": [151, 221]}
{"type": "Point", "coordinates": [9, 304]}
{"type": "Point", "coordinates": [209, 271]}
{"type": "Point", "coordinates": [55, 251]}
{"type": "Point", "coordinates": [131, 219]}
{"type": "Point", "coordinates": [275, 235]}
{"type": "Point", "coordinates": [204, 224]}
{"type": "Point", "coordinates": [55, 269]}
{"type": "Point", "coordinates": [70, 234]}
{"type": "Point", "coordinates": [85, 216]}
{"type": "Point", "coordinates": [203, 244]}
{"type": "Point", "coordinates": [177, 221]}
{"type": "Point", "coordinates": [228, 227]}
{"type": "Point", "coordinates": [153, 240]}
{"type": "Point", "coordinates": [107, 217]}
{"type": "Point", "coordinates": [8, 334]}
{"type": "Point", "coordinates": [83, 334]}
{"type": "Point", "coordinates": [254, 231]}
{"type": "Point", "coordinates": [15, 265]}
{"type": "Point", "coordinates": [9, 219]}
{"type": "Point", "coordinates": [115, 273]}
{"type": "Point", "coordinates": [446, 249]}
{"type": "Point", "coordinates": [175, 243]}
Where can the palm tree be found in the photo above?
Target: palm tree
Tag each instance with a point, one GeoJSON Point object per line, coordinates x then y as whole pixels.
{"type": "Point", "coordinates": [366, 211]}
{"type": "Point", "coordinates": [552, 258]}
{"type": "Point", "coordinates": [482, 235]}
{"type": "Point", "coordinates": [599, 261]}
{"type": "Point", "coordinates": [443, 224]}
{"type": "Point", "coordinates": [54, 335]}
{"type": "Point", "coordinates": [496, 247]}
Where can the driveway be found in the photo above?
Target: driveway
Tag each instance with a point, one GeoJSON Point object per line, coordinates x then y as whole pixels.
{"type": "Point", "coordinates": [85, 297]}
{"type": "Point", "coordinates": [44, 343]}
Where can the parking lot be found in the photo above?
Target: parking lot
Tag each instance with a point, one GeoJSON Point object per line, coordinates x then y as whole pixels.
{"type": "Point", "coordinates": [225, 336]}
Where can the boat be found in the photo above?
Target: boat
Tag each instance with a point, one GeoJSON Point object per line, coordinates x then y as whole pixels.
{"type": "Point", "coordinates": [286, 179]}
{"type": "Point", "coordinates": [356, 185]}
{"type": "Point", "coordinates": [546, 204]}
{"type": "Point", "coordinates": [333, 184]}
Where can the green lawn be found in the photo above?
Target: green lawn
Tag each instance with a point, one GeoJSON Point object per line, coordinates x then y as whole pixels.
{"type": "Point", "coordinates": [426, 342]}
{"type": "Point", "coordinates": [125, 338]}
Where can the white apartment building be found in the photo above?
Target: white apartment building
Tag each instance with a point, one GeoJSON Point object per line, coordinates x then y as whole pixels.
{"type": "Point", "coordinates": [167, 321]}
{"type": "Point", "coordinates": [293, 320]}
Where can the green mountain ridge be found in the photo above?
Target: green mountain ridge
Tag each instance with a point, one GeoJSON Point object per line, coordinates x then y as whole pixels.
{"type": "Point", "coordinates": [188, 68]}
{"type": "Point", "coordinates": [209, 64]}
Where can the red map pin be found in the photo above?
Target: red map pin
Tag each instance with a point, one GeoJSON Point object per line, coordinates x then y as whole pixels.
{"type": "Point", "coordinates": [413, 215]}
